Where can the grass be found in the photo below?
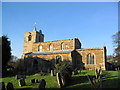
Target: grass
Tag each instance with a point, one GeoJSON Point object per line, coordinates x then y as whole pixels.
{"type": "Point", "coordinates": [111, 79]}
{"type": "Point", "coordinates": [80, 80]}
{"type": "Point", "coordinates": [51, 82]}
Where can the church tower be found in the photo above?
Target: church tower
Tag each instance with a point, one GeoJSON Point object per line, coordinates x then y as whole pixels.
{"type": "Point", "coordinates": [30, 38]}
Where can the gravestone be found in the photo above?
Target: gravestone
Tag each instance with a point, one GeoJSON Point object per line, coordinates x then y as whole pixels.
{"type": "Point", "coordinates": [98, 73]}
{"type": "Point", "coordinates": [42, 84]}
{"type": "Point", "coordinates": [36, 81]}
{"type": "Point", "coordinates": [22, 82]}
{"type": "Point", "coordinates": [9, 86]}
{"type": "Point", "coordinates": [75, 72]}
{"type": "Point", "coordinates": [59, 80]}
{"type": "Point", "coordinates": [52, 72]}
{"type": "Point", "coordinates": [20, 76]}
{"type": "Point", "coordinates": [3, 86]}
{"type": "Point", "coordinates": [33, 81]}
{"type": "Point", "coordinates": [63, 81]}
{"type": "Point", "coordinates": [90, 79]}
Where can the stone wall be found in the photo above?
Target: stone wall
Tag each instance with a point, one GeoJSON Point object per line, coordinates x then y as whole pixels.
{"type": "Point", "coordinates": [57, 45]}
{"type": "Point", "coordinates": [52, 56]}
{"type": "Point", "coordinates": [99, 59]}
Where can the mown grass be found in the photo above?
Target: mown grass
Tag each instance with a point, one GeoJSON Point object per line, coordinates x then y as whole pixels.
{"type": "Point", "coordinates": [51, 82]}
{"type": "Point", "coordinates": [111, 79]}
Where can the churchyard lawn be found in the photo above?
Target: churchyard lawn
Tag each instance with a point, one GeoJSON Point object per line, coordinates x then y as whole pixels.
{"type": "Point", "coordinates": [111, 79]}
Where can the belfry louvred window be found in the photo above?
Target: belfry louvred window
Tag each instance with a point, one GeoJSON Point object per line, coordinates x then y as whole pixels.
{"type": "Point", "coordinates": [29, 37]}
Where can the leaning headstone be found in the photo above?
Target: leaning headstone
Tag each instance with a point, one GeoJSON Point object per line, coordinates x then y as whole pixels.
{"type": "Point", "coordinates": [20, 76]}
{"type": "Point", "coordinates": [52, 72]}
{"type": "Point", "coordinates": [33, 81]}
{"type": "Point", "coordinates": [75, 72]}
{"type": "Point", "coordinates": [59, 80]}
{"type": "Point", "coordinates": [36, 81]}
{"type": "Point", "coordinates": [3, 86]}
{"type": "Point", "coordinates": [98, 73]}
{"type": "Point", "coordinates": [42, 84]}
{"type": "Point", "coordinates": [9, 86]}
{"type": "Point", "coordinates": [90, 79]}
{"type": "Point", "coordinates": [22, 82]}
{"type": "Point", "coordinates": [63, 81]}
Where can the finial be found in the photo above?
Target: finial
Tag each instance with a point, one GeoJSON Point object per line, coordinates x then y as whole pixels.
{"type": "Point", "coordinates": [34, 27]}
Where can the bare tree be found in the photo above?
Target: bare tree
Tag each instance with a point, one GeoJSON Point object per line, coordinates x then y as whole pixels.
{"type": "Point", "coordinates": [116, 41]}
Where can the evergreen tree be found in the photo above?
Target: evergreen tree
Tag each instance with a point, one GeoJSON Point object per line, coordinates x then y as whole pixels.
{"type": "Point", "coordinates": [6, 51]}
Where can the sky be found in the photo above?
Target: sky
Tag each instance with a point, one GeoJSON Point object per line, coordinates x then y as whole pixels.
{"type": "Point", "coordinates": [93, 23]}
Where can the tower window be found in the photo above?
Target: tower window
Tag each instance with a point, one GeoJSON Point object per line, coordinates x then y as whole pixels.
{"type": "Point", "coordinates": [90, 59]}
{"type": "Point", "coordinates": [29, 37]}
{"type": "Point", "coordinates": [40, 48]}
{"type": "Point", "coordinates": [51, 47]}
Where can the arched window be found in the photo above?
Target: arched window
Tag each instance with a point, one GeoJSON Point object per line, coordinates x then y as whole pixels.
{"type": "Point", "coordinates": [29, 37]}
{"type": "Point", "coordinates": [40, 48]}
{"type": "Point", "coordinates": [51, 47]}
{"type": "Point", "coordinates": [90, 59]}
{"type": "Point", "coordinates": [62, 46]}
{"type": "Point", "coordinates": [58, 59]}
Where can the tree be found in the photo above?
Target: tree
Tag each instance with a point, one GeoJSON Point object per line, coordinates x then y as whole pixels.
{"type": "Point", "coordinates": [6, 51]}
{"type": "Point", "coordinates": [116, 41]}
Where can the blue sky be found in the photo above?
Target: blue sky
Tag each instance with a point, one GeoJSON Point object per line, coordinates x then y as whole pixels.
{"type": "Point", "coordinates": [93, 23]}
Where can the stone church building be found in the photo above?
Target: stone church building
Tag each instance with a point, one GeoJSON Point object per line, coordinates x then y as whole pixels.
{"type": "Point", "coordinates": [63, 50]}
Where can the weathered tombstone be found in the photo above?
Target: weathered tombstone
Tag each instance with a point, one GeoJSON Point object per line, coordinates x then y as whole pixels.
{"type": "Point", "coordinates": [3, 86]}
{"type": "Point", "coordinates": [33, 81]}
{"type": "Point", "coordinates": [75, 72]}
{"type": "Point", "coordinates": [63, 82]}
{"type": "Point", "coordinates": [59, 80]}
{"type": "Point", "coordinates": [17, 76]}
{"type": "Point", "coordinates": [22, 82]}
{"type": "Point", "coordinates": [20, 76]}
{"type": "Point", "coordinates": [52, 72]}
{"type": "Point", "coordinates": [90, 79]}
{"type": "Point", "coordinates": [9, 86]}
{"type": "Point", "coordinates": [36, 81]}
{"type": "Point", "coordinates": [98, 73]}
{"type": "Point", "coordinates": [42, 84]}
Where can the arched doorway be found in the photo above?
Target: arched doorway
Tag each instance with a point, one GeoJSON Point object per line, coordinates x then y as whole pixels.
{"type": "Point", "coordinates": [35, 65]}
{"type": "Point", "coordinates": [58, 59]}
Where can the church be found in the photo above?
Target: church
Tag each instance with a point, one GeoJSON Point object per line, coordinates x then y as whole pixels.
{"type": "Point", "coordinates": [63, 50]}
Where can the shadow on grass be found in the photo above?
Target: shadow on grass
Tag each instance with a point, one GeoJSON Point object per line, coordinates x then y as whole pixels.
{"type": "Point", "coordinates": [111, 83]}
{"type": "Point", "coordinates": [78, 80]}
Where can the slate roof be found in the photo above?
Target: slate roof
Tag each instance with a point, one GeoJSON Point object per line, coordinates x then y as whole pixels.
{"type": "Point", "coordinates": [53, 52]}
{"type": "Point", "coordinates": [60, 52]}
{"type": "Point", "coordinates": [90, 49]}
